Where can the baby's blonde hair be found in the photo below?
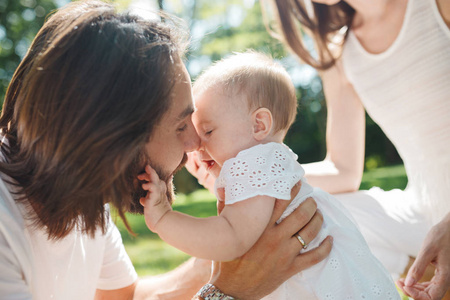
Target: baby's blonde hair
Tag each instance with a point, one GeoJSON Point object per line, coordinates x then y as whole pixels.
{"type": "Point", "coordinates": [257, 77]}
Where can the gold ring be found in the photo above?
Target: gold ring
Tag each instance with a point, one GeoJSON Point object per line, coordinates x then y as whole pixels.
{"type": "Point", "coordinates": [302, 241]}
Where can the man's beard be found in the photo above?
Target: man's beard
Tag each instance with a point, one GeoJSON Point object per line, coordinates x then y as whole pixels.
{"type": "Point", "coordinates": [138, 192]}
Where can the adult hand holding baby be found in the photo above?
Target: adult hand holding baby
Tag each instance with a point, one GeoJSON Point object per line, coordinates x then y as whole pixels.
{"type": "Point", "coordinates": [275, 256]}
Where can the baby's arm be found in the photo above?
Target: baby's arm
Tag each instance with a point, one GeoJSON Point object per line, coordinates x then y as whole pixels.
{"type": "Point", "coordinates": [220, 238]}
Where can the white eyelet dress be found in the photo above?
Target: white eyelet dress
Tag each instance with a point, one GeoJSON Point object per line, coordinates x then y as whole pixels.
{"type": "Point", "coordinates": [350, 271]}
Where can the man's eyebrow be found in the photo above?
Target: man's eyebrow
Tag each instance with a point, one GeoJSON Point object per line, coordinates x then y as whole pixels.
{"type": "Point", "coordinates": [188, 111]}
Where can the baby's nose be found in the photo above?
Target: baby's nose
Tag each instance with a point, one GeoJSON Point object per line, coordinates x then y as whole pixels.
{"type": "Point", "coordinates": [203, 155]}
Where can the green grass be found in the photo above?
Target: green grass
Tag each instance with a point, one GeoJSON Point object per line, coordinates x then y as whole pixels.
{"type": "Point", "coordinates": [151, 256]}
{"type": "Point", "coordinates": [387, 178]}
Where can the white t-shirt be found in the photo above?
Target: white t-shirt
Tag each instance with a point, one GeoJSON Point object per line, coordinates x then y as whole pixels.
{"type": "Point", "coordinates": [33, 267]}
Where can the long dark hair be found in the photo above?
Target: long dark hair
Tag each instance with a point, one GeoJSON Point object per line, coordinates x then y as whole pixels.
{"type": "Point", "coordinates": [322, 24]}
{"type": "Point", "coordinates": [80, 109]}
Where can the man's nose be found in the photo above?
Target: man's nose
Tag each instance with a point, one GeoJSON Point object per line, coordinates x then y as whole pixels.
{"type": "Point", "coordinates": [192, 140]}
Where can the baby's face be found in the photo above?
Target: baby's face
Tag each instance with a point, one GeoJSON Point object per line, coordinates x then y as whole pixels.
{"type": "Point", "coordinates": [224, 125]}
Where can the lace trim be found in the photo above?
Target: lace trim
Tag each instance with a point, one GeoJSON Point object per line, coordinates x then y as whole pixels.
{"type": "Point", "coordinates": [268, 169]}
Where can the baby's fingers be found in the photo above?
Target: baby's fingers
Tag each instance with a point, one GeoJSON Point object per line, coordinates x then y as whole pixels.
{"type": "Point", "coordinates": [150, 187]}
{"type": "Point", "coordinates": [144, 177]}
{"type": "Point", "coordinates": [153, 195]}
{"type": "Point", "coordinates": [153, 175]}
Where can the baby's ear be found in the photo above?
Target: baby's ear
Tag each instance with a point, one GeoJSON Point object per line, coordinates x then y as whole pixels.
{"type": "Point", "coordinates": [262, 123]}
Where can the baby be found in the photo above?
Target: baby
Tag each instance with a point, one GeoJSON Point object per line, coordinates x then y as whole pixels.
{"type": "Point", "coordinates": [244, 106]}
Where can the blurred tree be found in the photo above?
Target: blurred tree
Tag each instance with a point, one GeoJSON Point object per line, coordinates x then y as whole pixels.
{"type": "Point", "coordinates": [217, 29]}
{"type": "Point", "coordinates": [20, 20]}
{"type": "Point", "coordinates": [221, 27]}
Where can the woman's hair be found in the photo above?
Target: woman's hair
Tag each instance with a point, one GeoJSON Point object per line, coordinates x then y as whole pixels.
{"type": "Point", "coordinates": [322, 22]}
{"type": "Point", "coordinates": [80, 109]}
{"type": "Point", "coordinates": [259, 79]}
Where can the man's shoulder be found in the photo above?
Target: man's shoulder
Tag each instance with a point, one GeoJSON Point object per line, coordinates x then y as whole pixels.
{"type": "Point", "coordinates": [7, 203]}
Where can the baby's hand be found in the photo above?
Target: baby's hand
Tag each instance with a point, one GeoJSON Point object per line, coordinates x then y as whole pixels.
{"type": "Point", "coordinates": [199, 171]}
{"type": "Point", "coordinates": [155, 202]}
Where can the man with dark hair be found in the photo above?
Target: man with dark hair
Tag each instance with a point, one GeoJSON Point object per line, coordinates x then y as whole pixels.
{"type": "Point", "coordinates": [97, 97]}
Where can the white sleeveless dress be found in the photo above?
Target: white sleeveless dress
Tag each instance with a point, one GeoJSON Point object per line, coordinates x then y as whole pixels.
{"type": "Point", "coordinates": [351, 271]}
{"type": "Point", "coordinates": [406, 91]}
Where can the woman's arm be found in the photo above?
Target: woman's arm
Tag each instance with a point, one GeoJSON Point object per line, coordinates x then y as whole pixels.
{"type": "Point", "coordinates": [341, 171]}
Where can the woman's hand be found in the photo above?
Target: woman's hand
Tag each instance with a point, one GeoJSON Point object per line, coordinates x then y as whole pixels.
{"type": "Point", "coordinates": [198, 170]}
{"type": "Point", "coordinates": [275, 257]}
{"type": "Point", "coordinates": [436, 251]}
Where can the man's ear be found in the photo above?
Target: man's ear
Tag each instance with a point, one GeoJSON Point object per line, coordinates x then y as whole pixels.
{"type": "Point", "coordinates": [262, 123]}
